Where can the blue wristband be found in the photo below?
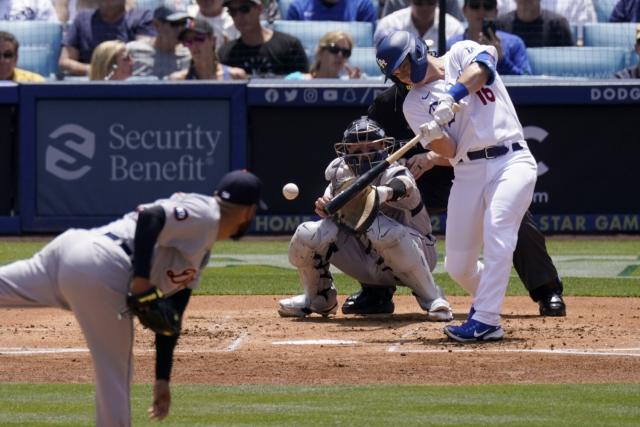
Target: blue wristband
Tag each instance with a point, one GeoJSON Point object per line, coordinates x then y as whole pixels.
{"type": "Point", "coordinates": [458, 91]}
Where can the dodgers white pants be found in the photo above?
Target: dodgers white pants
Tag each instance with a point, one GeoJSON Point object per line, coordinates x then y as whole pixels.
{"type": "Point", "coordinates": [487, 202]}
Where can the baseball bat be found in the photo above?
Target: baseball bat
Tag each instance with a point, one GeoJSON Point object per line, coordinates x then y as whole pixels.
{"type": "Point", "coordinates": [368, 177]}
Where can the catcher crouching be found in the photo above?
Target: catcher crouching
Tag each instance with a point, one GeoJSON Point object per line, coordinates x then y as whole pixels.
{"type": "Point", "coordinates": [382, 237]}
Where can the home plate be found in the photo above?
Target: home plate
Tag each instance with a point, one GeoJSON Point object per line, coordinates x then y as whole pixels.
{"type": "Point", "coordinates": [315, 342]}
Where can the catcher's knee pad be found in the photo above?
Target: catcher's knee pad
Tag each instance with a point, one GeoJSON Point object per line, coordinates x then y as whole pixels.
{"type": "Point", "coordinates": [312, 238]}
{"type": "Point", "coordinates": [401, 251]}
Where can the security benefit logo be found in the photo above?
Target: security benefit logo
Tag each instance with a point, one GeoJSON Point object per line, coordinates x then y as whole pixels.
{"type": "Point", "coordinates": [122, 153]}
{"type": "Point", "coordinates": [71, 149]}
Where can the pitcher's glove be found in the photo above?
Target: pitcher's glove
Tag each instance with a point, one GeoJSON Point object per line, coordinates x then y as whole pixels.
{"type": "Point", "coordinates": [155, 312]}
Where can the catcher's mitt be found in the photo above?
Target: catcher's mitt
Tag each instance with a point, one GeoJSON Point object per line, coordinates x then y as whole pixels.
{"type": "Point", "coordinates": [359, 212]}
{"type": "Point", "coordinates": [155, 312]}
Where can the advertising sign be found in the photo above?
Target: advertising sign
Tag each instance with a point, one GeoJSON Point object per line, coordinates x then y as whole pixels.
{"type": "Point", "coordinates": [103, 157]}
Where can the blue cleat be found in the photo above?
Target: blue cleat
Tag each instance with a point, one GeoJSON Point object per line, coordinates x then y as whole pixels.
{"type": "Point", "coordinates": [472, 331]}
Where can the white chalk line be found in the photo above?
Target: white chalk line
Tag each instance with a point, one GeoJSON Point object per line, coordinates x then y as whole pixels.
{"type": "Point", "coordinates": [315, 342]}
{"type": "Point", "coordinates": [395, 346]}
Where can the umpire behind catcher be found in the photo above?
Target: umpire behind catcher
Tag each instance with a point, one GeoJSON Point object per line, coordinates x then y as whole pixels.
{"type": "Point", "coordinates": [530, 258]}
{"type": "Point", "coordinates": [147, 263]}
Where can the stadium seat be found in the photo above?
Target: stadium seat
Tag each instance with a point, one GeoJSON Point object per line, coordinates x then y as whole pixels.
{"type": "Point", "coordinates": [589, 62]}
{"type": "Point", "coordinates": [148, 4]}
{"type": "Point", "coordinates": [310, 32]}
{"type": "Point", "coordinates": [604, 9]}
{"type": "Point", "coordinates": [622, 35]}
{"type": "Point", "coordinates": [40, 44]}
{"type": "Point", "coordinates": [365, 59]}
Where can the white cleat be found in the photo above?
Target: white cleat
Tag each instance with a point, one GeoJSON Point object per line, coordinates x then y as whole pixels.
{"type": "Point", "coordinates": [440, 311]}
{"type": "Point", "coordinates": [299, 306]}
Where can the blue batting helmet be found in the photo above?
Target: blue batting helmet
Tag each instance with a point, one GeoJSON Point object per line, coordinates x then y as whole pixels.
{"type": "Point", "coordinates": [394, 47]}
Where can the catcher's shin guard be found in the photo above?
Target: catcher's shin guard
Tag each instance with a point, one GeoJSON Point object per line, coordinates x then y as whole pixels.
{"type": "Point", "coordinates": [310, 250]}
{"type": "Point", "coordinates": [402, 253]}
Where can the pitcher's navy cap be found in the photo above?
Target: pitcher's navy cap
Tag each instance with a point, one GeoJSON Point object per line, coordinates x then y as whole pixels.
{"type": "Point", "coordinates": [242, 188]}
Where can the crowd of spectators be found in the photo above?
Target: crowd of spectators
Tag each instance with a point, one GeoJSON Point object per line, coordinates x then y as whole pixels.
{"type": "Point", "coordinates": [173, 41]}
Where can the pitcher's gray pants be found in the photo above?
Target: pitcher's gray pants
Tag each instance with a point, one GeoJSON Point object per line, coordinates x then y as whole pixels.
{"type": "Point", "coordinates": [88, 274]}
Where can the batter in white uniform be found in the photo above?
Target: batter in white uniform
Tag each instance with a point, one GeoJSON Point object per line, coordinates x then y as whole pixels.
{"type": "Point", "coordinates": [396, 247]}
{"type": "Point", "coordinates": [90, 272]}
{"type": "Point", "coordinates": [495, 173]}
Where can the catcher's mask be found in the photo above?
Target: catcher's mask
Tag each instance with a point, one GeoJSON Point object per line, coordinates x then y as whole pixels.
{"type": "Point", "coordinates": [364, 145]}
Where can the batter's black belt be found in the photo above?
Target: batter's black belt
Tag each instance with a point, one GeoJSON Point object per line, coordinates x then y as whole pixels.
{"type": "Point", "coordinates": [127, 250]}
{"type": "Point", "coordinates": [493, 151]}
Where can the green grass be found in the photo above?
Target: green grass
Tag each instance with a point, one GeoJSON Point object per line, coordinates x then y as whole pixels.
{"type": "Point", "coordinates": [267, 280]}
{"type": "Point", "coordinates": [393, 405]}
{"type": "Point", "coordinates": [200, 405]}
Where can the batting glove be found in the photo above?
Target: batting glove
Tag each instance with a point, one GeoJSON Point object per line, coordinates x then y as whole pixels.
{"type": "Point", "coordinates": [444, 110]}
{"type": "Point", "coordinates": [430, 131]}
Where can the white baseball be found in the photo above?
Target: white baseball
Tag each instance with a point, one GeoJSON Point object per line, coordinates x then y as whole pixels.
{"type": "Point", "coordinates": [290, 191]}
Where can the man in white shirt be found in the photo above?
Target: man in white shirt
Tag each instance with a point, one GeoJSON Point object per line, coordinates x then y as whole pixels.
{"type": "Point", "coordinates": [421, 20]}
{"type": "Point", "coordinates": [216, 15]}
{"type": "Point", "coordinates": [27, 10]}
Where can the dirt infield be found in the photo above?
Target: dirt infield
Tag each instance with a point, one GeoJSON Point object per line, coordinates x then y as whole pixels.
{"type": "Point", "coordinates": [241, 340]}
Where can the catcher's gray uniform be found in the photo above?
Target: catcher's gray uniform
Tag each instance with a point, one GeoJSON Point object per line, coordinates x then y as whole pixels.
{"type": "Point", "coordinates": [89, 273]}
{"type": "Point", "coordinates": [397, 248]}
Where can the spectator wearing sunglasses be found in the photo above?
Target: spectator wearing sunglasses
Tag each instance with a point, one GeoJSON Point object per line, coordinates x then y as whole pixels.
{"type": "Point", "coordinates": [420, 19]}
{"type": "Point", "coordinates": [199, 38]}
{"type": "Point", "coordinates": [332, 10]}
{"type": "Point", "coordinates": [512, 53]}
{"type": "Point", "coordinates": [165, 55]}
{"type": "Point", "coordinates": [260, 51]}
{"type": "Point", "coordinates": [110, 21]}
{"type": "Point", "coordinates": [332, 54]}
{"type": "Point", "coordinates": [110, 61]}
{"type": "Point", "coordinates": [9, 59]}
{"type": "Point", "coordinates": [216, 15]}
{"type": "Point", "coordinates": [536, 26]}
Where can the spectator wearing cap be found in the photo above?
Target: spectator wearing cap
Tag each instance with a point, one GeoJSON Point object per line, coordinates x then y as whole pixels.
{"type": "Point", "coordinates": [260, 51]}
{"type": "Point", "coordinates": [165, 55]}
{"type": "Point", "coordinates": [512, 53]}
{"type": "Point", "coordinates": [110, 61]}
{"type": "Point", "coordinates": [216, 15]}
{"type": "Point", "coordinates": [536, 26]}
{"type": "Point", "coordinates": [575, 11]}
{"type": "Point", "coordinates": [419, 18]}
{"type": "Point", "coordinates": [626, 11]}
{"type": "Point", "coordinates": [110, 21]}
{"type": "Point", "coordinates": [332, 10]}
{"type": "Point", "coordinates": [332, 54]}
{"type": "Point", "coordinates": [634, 71]}
{"type": "Point", "coordinates": [27, 10]}
{"type": "Point", "coordinates": [199, 38]}
{"type": "Point", "coordinates": [9, 59]}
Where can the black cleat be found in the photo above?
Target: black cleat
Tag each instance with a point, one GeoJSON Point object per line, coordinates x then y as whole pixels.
{"type": "Point", "coordinates": [370, 300]}
{"type": "Point", "coordinates": [552, 305]}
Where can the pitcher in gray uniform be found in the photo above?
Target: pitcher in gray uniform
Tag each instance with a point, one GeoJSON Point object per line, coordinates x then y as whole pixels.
{"type": "Point", "coordinates": [394, 245]}
{"type": "Point", "coordinates": [163, 245]}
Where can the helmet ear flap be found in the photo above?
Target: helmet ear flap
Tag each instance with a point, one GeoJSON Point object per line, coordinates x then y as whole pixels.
{"type": "Point", "coordinates": [419, 60]}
